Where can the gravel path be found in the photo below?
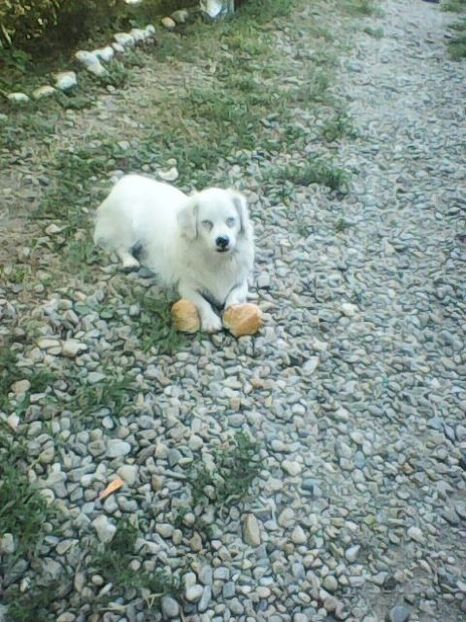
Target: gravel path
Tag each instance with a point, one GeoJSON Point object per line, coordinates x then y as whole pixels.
{"type": "Point", "coordinates": [355, 389]}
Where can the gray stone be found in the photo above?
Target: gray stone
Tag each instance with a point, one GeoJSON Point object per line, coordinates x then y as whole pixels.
{"type": "Point", "coordinates": [7, 544]}
{"type": "Point", "coordinates": [128, 473]}
{"type": "Point", "coordinates": [398, 614]}
{"type": "Point", "coordinates": [251, 530]}
{"type": "Point", "coordinates": [65, 80]}
{"type": "Point", "coordinates": [352, 553]}
{"type": "Point", "coordinates": [105, 528]}
{"type": "Point", "coordinates": [170, 608]}
{"type": "Point", "coordinates": [194, 593]}
{"type": "Point", "coordinates": [286, 517]}
{"type": "Point", "coordinates": [117, 448]}
{"type": "Point", "coordinates": [329, 583]}
{"type": "Point", "coordinates": [18, 98]}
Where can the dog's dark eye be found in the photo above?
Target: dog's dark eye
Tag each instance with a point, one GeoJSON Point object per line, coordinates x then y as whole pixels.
{"type": "Point", "coordinates": [231, 222]}
{"type": "Point", "coordinates": [207, 224]}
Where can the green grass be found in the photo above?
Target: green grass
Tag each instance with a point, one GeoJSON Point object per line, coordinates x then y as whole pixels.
{"type": "Point", "coordinates": [314, 171]}
{"type": "Point", "coordinates": [236, 465]}
{"type": "Point", "coordinates": [39, 378]}
{"type": "Point", "coordinates": [457, 45]}
{"type": "Point", "coordinates": [34, 605]}
{"type": "Point", "coordinates": [23, 510]}
{"type": "Point", "coordinates": [154, 327]}
{"type": "Point", "coordinates": [338, 127]}
{"type": "Point", "coordinates": [342, 225]}
{"type": "Point", "coordinates": [114, 393]}
{"type": "Point", "coordinates": [377, 33]}
{"type": "Point", "coordinates": [112, 561]}
{"type": "Point", "coordinates": [454, 6]}
{"type": "Point", "coordinates": [360, 7]}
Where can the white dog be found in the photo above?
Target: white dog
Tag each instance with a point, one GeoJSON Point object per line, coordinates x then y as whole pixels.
{"type": "Point", "coordinates": [202, 244]}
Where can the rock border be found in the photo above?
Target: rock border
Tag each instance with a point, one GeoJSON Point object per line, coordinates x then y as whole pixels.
{"type": "Point", "coordinates": [93, 61]}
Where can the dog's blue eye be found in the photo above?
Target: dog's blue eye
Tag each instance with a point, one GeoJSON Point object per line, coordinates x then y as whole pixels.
{"type": "Point", "coordinates": [231, 222]}
{"type": "Point", "coordinates": [207, 224]}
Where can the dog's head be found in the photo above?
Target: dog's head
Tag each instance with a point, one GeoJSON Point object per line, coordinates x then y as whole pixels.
{"type": "Point", "coordinates": [216, 217]}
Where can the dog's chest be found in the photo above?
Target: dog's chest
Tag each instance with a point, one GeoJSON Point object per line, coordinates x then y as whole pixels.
{"type": "Point", "coordinates": [215, 281]}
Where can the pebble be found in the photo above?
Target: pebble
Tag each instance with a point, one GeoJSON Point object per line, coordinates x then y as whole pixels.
{"type": "Point", "coordinates": [329, 583]}
{"type": "Point", "coordinates": [43, 91]}
{"type": "Point", "coordinates": [349, 309]}
{"type": "Point", "coordinates": [194, 593]}
{"type": "Point", "coordinates": [251, 530]}
{"type": "Point", "coordinates": [398, 614]}
{"type": "Point", "coordinates": [286, 517]}
{"type": "Point", "coordinates": [105, 528]}
{"type": "Point", "coordinates": [414, 533]}
{"type": "Point", "coordinates": [352, 553]}
{"type": "Point", "coordinates": [298, 536]}
{"type": "Point", "coordinates": [65, 80]}
{"type": "Point", "coordinates": [170, 174]}
{"type": "Point", "coordinates": [91, 62]}
{"type": "Point", "coordinates": [128, 473]}
{"type": "Point", "coordinates": [7, 544]}
{"type": "Point", "coordinates": [117, 448]}
{"type": "Point", "coordinates": [47, 456]}
{"type": "Point", "coordinates": [291, 467]}
{"type": "Point", "coordinates": [105, 54]}
{"type": "Point", "coordinates": [71, 348]}
{"type": "Point", "coordinates": [20, 387]}
{"type": "Point", "coordinates": [124, 39]}
{"type": "Point", "coordinates": [170, 608]}
{"type": "Point", "coordinates": [18, 98]}
{"type": "Point", "coordinates": [180, 16]}
{"type": "Point", "coordinates": [168, 23]}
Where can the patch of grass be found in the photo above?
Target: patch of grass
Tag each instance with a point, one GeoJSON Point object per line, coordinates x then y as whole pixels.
{"type": "Point", "coordinates": [113, 560]}
{"type": "Point", "coordinates": [154, 327]}
{"type": "Point", "coordinates": [339, 127]}
{"type": "Point", "coordinates": [457, 45]}
{"type": "Point", "coordinates": [8, 371]}
{"type": "Point", "coordinates": [23, 510]}
{"type": "Point", "coordinates": [34, 605]}
{"type": "Point", "coordinates": [314, 89]}
{"type": "Point", "coordinates": [314, 171]}
{"type": "Point", "coordinates": [236, 465]}
{"type": "Point", "coordinates": [342, 225]}
{"type": "Point", "coordinates": [360, 7]}
{"type": "Point", "coordinates": [117, 75]}
{"type": "Point", "coordinates": [262, 11]}
{"type": "Point", "coordinates": [114, 394]}
{"type": "Point", "coordinates": [79, 255]}
{"type": "Point", "coordinates": [377, 33]}
{"type": "Point", "coordinates": [454, 6]}
{"type": "Point", "coordinates": [40, 379]}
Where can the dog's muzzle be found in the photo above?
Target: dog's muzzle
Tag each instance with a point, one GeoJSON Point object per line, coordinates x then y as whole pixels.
{"type": "Point", "coordinates": [222, 243]}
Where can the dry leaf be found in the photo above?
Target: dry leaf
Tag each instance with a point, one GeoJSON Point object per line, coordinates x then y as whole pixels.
{"type": "Point", "coordinates": [111, 488]}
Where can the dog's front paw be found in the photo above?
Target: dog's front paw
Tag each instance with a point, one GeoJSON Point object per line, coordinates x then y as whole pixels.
{"type": "Point", "coordinates": [211, 324]}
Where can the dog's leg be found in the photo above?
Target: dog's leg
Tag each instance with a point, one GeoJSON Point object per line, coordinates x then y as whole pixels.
{"type": "Point", "coordinates": [210, 321]}
{"type": "Point", "coordinates": [238, 295]}
{"type": "Point", "coordinates": [127, 259]}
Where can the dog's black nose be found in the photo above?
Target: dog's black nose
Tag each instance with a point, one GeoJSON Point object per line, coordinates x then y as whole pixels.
{"type": "Point", "coordinates": [222, 241]}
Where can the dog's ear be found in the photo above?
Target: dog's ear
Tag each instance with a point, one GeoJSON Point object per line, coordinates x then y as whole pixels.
{"type": "Point", "coordinates": [187, 219]}
{"type": "Point", "coordinates": [241, 206]}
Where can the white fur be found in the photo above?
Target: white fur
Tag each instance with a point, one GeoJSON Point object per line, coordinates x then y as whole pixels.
{"type": "Point", "coordinates": [180, 237]}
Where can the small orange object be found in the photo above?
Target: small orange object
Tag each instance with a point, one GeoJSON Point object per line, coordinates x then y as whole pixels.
{"type": "Point", "coordinates": [245, 319]}
{"type": "Point", "coordinates": [186, 316]}
{"type": "Point", "coordinates": [111, 488]}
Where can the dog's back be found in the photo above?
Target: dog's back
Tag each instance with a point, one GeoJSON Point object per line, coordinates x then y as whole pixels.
{"type": "Point", "coordinates": [135, 207]}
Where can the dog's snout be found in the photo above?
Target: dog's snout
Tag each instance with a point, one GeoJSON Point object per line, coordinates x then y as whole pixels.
{"type": "Point", "coordinates": [222, 241]}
